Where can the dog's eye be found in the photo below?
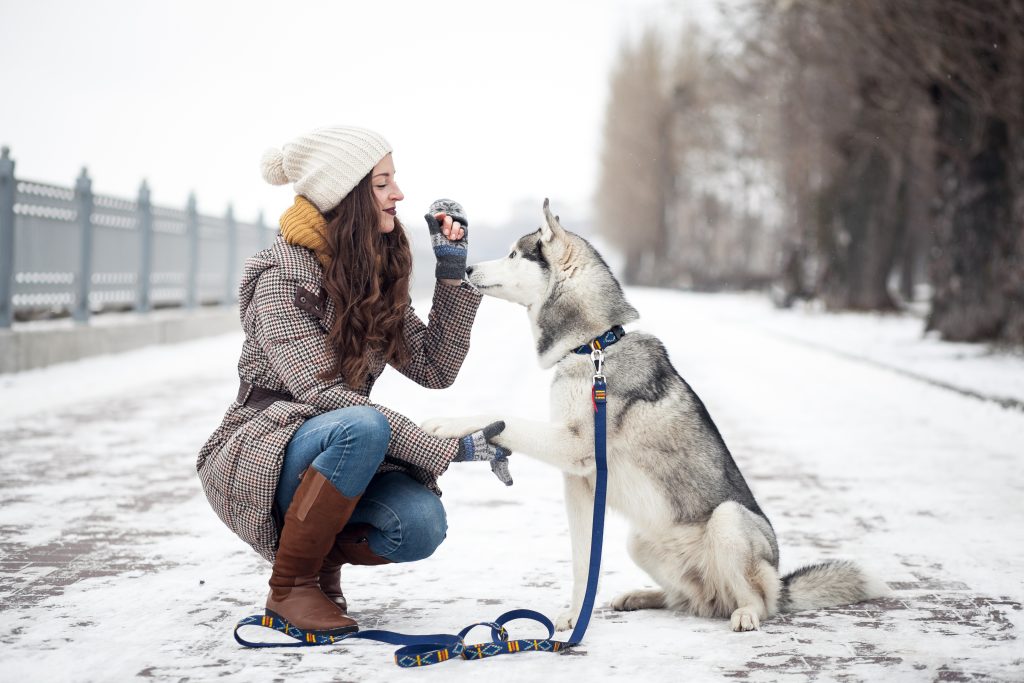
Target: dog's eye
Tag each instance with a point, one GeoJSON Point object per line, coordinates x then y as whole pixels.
{"type": "Point", "coordinates": [512, 255]}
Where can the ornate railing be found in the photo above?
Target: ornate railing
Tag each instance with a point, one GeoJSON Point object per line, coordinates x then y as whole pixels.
{"type": "Point", "coordinates": [68, 251]}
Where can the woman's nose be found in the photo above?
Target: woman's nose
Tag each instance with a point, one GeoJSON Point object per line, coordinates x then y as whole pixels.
{"type": "Point", "coordinates": [398, 195]}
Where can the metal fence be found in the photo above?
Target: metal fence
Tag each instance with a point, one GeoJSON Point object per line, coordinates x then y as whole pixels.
{"type": "Point", "coordinates": [67, 250]}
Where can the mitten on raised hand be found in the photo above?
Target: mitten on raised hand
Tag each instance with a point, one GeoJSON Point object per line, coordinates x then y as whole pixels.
{"type": "Point", "coordinates": [477, 446]}
{"type": "Point", "coordinates": [451, 255]}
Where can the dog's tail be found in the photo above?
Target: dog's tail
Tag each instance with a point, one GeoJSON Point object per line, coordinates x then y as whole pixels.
{"type": "Point", "coordinates": [827, 584]}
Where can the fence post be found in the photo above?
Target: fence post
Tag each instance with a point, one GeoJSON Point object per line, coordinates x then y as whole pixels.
{"type": "Point", "coordinates": [192, 263]}
{"type": "Point", "coordinates": [83, 201]}
{"type": "Point", "coordinates": [7, 189]}
{"type": "Point", "coordinates": [143, 301]}
{"type": "Point", "coordinates": [232, 266]}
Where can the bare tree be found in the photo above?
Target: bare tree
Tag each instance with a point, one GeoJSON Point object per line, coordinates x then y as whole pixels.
{"type": "Point", "coordinates": [978, 262]}
{"type": "Point", "coordinates": [635, 161]}
{"type": "Point", "coordinates": [968, 56]}
{"type": "Point", "coordinates": [857, 148]}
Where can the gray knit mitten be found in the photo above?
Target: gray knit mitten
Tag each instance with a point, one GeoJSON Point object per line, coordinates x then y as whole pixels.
{"type": "Point", "coordinates": [477, 446]}
{"type": "Point", "coordinates": [451, 256]}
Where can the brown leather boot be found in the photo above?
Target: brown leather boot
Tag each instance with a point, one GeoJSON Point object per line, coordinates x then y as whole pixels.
{"type": "Point", "coordinates": [350, 547]}
{"type": "Point", "coordinates": [315, 516]}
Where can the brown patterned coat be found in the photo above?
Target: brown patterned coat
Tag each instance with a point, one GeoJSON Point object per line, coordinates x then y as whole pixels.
{"type": "Point", "coordinates": [286, 315]}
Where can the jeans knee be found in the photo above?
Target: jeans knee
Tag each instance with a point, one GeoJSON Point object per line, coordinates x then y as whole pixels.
{"type": "Point", "coordinates": [369, 428]}
{"type": "Point", "coordinates": [425, 532]}
{"type": "Point", "coordinates": [354, 448]}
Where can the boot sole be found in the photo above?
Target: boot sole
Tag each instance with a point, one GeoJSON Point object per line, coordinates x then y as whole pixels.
{"type": "Point", "coordinates": [344, 630]}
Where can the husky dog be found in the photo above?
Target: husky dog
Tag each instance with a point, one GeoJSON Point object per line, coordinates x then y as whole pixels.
{"type": "Point", "coordinates": [696, 528]}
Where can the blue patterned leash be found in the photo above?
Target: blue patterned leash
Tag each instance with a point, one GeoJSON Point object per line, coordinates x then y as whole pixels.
{"type": "Point", "coordinates": [436, 648]}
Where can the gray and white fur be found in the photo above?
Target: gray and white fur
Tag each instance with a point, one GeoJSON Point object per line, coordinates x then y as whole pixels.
{"type": "Point", "coordinates": [696, 528]}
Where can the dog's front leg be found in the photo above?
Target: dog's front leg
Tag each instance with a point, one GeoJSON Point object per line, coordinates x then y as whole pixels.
{"type": "Point", "coordinates": [579, 504]}
{"type": "Point", "coordinates": [448, 427]}
{"type": "Point", "coordinates": [550, 443]}
{"type": "Point", "coordinates": [544, 441]}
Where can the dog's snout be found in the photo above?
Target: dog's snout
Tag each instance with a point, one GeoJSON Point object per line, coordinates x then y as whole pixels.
{"type": "Point", "coordinates": [469, 270]}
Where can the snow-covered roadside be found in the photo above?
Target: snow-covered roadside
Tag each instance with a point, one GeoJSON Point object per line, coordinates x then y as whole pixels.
{"type": "Point", "coordinates": [115, 375]}
{"type": "Point", "coordinates": [895, 341]}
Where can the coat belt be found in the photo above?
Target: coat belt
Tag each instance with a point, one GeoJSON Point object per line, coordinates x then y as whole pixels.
{"type": "Point", "coordinates": [259, 397]}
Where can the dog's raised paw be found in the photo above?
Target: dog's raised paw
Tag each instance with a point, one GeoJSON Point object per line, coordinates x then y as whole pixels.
{"type": "Point", "coordinates": [434, 426]}
{"type": "Point", "coordinates": [745, 619]}
{"type": "Point", "coordinates": [447, 427]}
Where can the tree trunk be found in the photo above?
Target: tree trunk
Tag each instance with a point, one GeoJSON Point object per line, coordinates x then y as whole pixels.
{"type": "Point", "coordinates": [977, 262]}
{"type": "Point", "coordinates": [862, 222]}
{"type": "Point", "coordinates": [920, 189]}
{"type": "Point", "coordinates": [632, 269]}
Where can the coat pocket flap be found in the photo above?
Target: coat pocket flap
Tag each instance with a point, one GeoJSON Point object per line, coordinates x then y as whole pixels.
{"type": "Point", "coordinates": [314, 304]}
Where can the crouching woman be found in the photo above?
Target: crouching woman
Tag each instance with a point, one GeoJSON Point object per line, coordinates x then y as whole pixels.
{"type": "Point", "coordinates": [304, 468]}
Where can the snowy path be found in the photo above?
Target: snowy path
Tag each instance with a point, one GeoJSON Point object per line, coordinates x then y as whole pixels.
{"type": "Point", "coordinates": [113, 567]}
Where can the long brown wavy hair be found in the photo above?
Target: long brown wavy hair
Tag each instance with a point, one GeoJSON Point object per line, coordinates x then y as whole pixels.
{"type": "Point", "coordinates": [368, 280]}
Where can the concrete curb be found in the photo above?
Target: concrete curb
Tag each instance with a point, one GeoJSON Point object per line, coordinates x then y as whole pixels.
{"type": "Point", "coordinates": [42, 343]}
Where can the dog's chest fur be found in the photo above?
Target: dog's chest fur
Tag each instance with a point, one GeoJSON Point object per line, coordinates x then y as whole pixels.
{"type": "Point", "coordinates": [667, 463]}
{"type": "Point", "coordinates": [633, 451]}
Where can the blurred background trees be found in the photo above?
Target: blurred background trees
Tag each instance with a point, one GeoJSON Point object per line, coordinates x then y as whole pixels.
{"type": "Point", "coordinates": [868, 154]}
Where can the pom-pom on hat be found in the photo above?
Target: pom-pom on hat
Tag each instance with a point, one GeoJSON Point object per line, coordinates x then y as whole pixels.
{"type": "Point", "coordinates": [326, 164]}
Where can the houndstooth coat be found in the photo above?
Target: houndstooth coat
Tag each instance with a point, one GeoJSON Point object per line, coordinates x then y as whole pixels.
{"type": "Point", "coordinates": [286, 315]}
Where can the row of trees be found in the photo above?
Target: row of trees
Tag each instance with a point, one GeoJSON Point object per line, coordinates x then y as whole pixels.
{"type": "Point", "coordinates": [861, 152]}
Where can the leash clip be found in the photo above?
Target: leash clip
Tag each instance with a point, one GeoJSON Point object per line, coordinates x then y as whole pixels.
{"type": "Point", "coordinates": [597, 355]}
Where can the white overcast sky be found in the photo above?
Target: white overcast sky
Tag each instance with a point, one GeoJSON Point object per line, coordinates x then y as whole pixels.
{"type": "Point", "coordinates": [484, 102]}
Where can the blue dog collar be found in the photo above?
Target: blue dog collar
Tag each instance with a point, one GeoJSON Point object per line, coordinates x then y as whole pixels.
{"type": "Point", "coordinates": [603, 341]}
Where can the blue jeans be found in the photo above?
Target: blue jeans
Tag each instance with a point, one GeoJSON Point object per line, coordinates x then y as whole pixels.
{"type": "Point", "coordinates": [347, 446]}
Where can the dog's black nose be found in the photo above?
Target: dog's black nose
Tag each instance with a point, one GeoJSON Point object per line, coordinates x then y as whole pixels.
{"type": "Point", "coordinates": [469, 270]}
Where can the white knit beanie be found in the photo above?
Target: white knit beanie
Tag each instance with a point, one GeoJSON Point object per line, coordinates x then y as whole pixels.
{"type": "Point", "coordinates": [326, 164]}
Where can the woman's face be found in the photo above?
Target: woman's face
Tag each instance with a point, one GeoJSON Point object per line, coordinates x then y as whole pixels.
{"type": "Point", "coordinates": [386, 192]}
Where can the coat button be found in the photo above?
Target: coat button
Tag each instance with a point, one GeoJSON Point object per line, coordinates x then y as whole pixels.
{"type": "Point", "coordinates": [302, 299]}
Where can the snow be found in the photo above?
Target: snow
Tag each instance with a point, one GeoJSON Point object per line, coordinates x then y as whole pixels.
{"type": "Point", "coordinates": [861, 437]}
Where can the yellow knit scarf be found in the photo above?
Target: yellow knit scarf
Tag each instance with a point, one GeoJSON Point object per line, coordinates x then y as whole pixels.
{"type": "Point", "coordinates": [304, 225]}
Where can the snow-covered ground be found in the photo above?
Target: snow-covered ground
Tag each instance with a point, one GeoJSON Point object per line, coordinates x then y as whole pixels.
{"type": "Point", "coordinates": [860, 437]}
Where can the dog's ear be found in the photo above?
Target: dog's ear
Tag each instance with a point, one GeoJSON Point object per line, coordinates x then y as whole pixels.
{"type": "Point", "coordinates": [550, 228]}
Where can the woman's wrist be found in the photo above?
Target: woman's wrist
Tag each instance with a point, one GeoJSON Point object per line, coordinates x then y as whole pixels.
{"type": "Point", "coordinates": [450, 451]}
{"type": "Point", "coordinates": [450, 283]}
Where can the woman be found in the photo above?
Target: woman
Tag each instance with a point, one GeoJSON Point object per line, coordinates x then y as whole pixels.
{"type": "Point", "coordinates": [303, 467]}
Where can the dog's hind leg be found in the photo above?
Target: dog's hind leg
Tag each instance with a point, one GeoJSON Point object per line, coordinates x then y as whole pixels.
{"type": "Point", "coordinates": [579, 504]}
{"type": "Point", "coordinates": [664, 560]}
{"type": "Point", "coordinates": [641, 598]}
{"type": "Point", "coordinates": [740, 577]}
{"type": "Point", "coordinates": [751, 598]}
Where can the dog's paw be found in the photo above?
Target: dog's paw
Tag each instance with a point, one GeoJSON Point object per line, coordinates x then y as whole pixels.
{"type": "Point", "coordinates": [447, 427]}
{"type": "Point", "coordinates": [639, 599]}
{"type": "Point", "coordinates": [745, 619]}
{"type": "Point", "coordinates": [436, 426]}
{"type": "Point", "coordinates": [565, 621]}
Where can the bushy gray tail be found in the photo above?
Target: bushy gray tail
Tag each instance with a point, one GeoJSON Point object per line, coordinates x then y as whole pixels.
{"type": "Point", "coordinates": [827, 584]}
